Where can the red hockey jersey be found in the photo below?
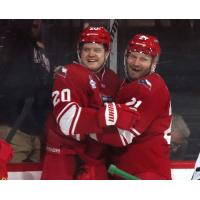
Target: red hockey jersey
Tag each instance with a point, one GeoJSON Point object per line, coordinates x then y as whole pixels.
{"type": "Point", "coordinates": [108, 88]}
{"type": "Point", "coordinates": [76, 93]}
{"type": "Point", "coordinates": [148, 151]}
{"type": "Point", "coordinates": [75, 97]}
{"type": "Point", "coordinates": [75, 90]}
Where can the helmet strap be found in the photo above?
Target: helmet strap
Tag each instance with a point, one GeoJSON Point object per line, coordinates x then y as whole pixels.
{"type": "Point", "coordinates": [125, 66]}
{"type": "Point", "coordinates": [154, 64]}
{"type": "Point", "coordinates": [78, 56]}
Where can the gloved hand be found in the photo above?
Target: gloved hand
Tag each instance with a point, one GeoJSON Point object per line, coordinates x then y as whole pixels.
{"type": "Point", "coordinates": [6, 154]}
{"type": "Point", "coordinates": [119, 115]}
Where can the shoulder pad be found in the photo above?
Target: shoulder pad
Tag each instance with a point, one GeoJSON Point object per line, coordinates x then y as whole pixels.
{"type": "Point", "coordinates": [77, 68]}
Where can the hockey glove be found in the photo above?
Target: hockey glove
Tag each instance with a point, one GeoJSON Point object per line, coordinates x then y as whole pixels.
{"type": "Point", "coordinates": [118, 115]}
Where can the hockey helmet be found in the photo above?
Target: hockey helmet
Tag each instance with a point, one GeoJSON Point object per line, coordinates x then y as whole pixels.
{"type": "Point", "coordinates": [146, 44]}
{"type": "Point", "coordinates": [143, 43]}
{"type": "Point", "coordinates": [95, 35]}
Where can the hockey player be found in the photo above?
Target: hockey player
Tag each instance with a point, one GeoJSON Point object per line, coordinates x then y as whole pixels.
{"type": "Point", "coordinates": [78, 109]}
{"type": "Point", "coordinates": [146, 146]}
{"type": "Point", "coordinates": [6, 154]}
{"type": "Point", "coordinates": [93, 50]}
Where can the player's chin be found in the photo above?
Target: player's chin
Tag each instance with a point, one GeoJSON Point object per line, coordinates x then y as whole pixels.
{"type": "Point", "coordinates": [134, 75]}
{"type": "Point", "coordinates": [93, 66]}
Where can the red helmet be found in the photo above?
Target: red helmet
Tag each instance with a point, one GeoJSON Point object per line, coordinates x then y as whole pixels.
{"type": "Point", "coordinates": [146, 44]}
{"type": "Point", "coordinates": [95, 35]}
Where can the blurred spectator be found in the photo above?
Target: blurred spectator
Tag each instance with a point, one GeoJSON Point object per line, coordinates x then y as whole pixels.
{"type": "Point", "coordinates": [25, 74]}
{"type": "Point", "coordinates": [179, 136]}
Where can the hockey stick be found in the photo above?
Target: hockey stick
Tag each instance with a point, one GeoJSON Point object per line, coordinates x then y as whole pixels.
{"type": "Point", "coordinates": [196, 173]}
{"type": "Point", "coordinates": [114, 29]}
{"type": "Point", "coordinates": [116, 171]}
{"type": "Point", "coordinates": [27, 105]}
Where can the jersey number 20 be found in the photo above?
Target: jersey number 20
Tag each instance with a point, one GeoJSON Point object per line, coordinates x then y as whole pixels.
{"type": "Point", "coordinates": [61, 96]}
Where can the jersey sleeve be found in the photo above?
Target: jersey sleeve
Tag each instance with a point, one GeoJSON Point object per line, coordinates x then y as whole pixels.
{"type": "Point", "coordinates": [71, 106]}
{"type": "Point", "coordinates": [114, 136]}
{"type": "Point", "coordinates": [152, 107]}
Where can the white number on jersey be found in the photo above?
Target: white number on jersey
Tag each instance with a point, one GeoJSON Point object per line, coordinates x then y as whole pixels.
{"type": "Point", "coordinates": [63, 96]}
{"type": "Point", "coordinates": [134, 103]}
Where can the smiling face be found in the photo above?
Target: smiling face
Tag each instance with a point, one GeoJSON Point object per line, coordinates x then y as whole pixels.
{"type": "Point", "coordinates": [93, 56]}
{"type": "Point", "coordinates": [138, 65]}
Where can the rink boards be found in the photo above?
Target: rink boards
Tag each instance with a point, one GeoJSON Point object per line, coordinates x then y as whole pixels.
{"type": "Point", "coordinates": [181, 170]}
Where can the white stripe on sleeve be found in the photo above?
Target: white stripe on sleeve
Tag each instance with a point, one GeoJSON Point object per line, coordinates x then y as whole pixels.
{"type": "Point", "coordinates": [126, 136]}
{"type": "Point", "coordinates": [66, 120]}
{"type": "Point", "coordinates": [77, 137]}
{"type": "Point", "coordinates": [135, 131]}
{"type": "Point", "coordinates": [93, 136]}
{"type": "Point", "coordinates": [76, 120]}
{"type": "Point", "coordinates": [63, 110]}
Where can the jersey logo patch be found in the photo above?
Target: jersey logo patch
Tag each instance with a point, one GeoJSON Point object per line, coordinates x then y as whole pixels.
{"type": "Point", "coordinates": [145, 82]}
{"type": "Point", "coordinates": [61, 71]}
{"type": "Point", "coordinates": [106, 99]}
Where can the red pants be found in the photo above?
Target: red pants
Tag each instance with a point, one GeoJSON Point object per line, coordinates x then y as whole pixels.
{"type": "Point", "coordinates": [58, 167]}
{"type": "Point", "coordinates": [93, 172]}
{"type": "Point", "coordinates": [64, 167]}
